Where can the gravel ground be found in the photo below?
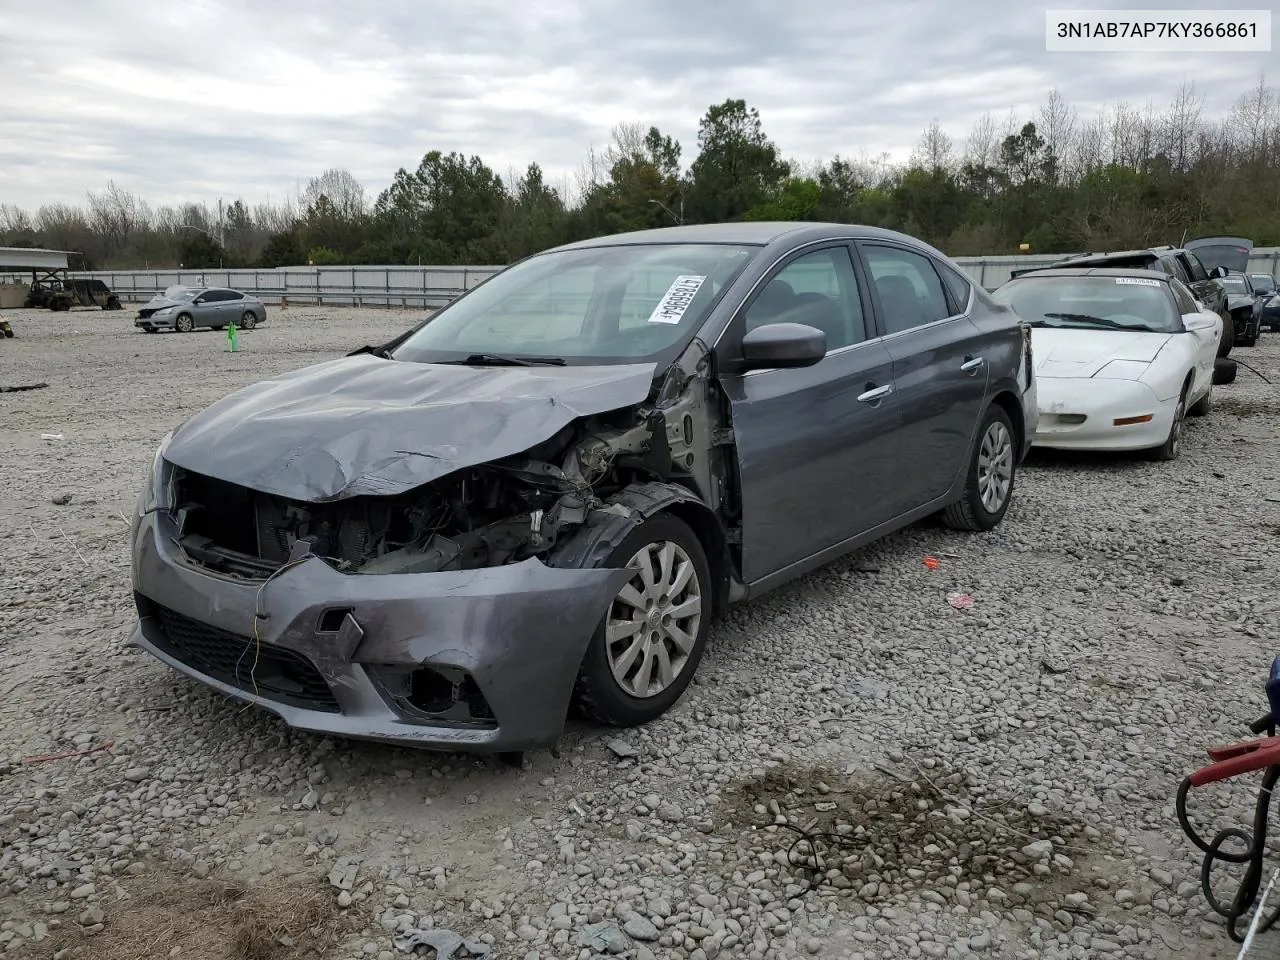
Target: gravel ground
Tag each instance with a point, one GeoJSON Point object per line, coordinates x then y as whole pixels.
{"type": "Point", "coordinates": [996, 782]}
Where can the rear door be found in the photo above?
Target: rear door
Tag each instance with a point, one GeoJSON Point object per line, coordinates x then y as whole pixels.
{"type": "Point", "coordinates": [939, 371]}
{"type": "Point", "coordinates": [817, 446]}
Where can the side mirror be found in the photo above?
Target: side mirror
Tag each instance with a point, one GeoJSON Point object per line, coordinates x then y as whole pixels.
{"type": "Point", "coordinates": [1218, 273]}
{"type": "Point", "coordinates": [783, 345]}
{"type": "Point", "coordinates": [1191, 322]}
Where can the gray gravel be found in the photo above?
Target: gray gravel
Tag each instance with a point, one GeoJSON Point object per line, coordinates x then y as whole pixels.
{"type": "Point", "coordinates": [996, 782]}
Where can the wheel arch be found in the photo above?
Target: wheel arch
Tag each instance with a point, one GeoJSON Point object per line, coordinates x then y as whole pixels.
{"type": "Point", "coordinates": [607, 527]}
{"type": "Point", "coordinates": [1008, 401]}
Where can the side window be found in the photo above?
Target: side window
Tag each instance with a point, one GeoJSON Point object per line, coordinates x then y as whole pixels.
{"type": "Point", "coordinates": [215, 296]}
{"type": "Point", "coordinates": [1175, 268]}
{"type": "Point", "coordinates": [819, 289]}
{"type": "Point", "coordinates": [232, 295]}
{"type": "Point", "coordinates": [957, 285]}
{"type": "Point", "coordinates": [910, 290]}
{"type": "Point", "coordinates": [1196, 268]}
{"type": "Point", "coordinates": [1186, 302]}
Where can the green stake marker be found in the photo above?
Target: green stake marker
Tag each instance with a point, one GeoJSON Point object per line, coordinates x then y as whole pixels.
{"type": "Point", "coordinates": [231, 339]}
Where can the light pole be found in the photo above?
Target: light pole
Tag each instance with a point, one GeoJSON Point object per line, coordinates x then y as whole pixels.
{"type": "Point", "coordinates": [680, 219]}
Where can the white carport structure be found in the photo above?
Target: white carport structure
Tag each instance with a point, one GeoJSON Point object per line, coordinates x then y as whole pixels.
{"type": "Point", "coordinates": [45, 267]}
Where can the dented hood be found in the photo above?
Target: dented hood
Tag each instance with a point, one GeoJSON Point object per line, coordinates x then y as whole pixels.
{"type": "Point", "coordinates": [365, 425]}
{"type": "Point", "coordinates": [1083, 353]}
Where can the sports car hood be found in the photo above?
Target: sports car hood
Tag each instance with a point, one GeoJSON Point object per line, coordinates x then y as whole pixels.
{"type": "Point", "coordinates": [364, 425]}
{"type": "Point", "coordinates": [1083, 353]}
{"type": "Point", "coordinates": [1236, 301]}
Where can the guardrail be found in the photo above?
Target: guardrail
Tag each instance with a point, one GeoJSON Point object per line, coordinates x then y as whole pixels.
{"type": "Point", "coordinates": [434, 286]}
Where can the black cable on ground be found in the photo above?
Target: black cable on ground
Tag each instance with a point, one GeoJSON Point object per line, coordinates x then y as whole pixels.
{"type": "Point", "coordinates": [1254, 849]}
{"type": "Point", "coordinates": [1251, 369]}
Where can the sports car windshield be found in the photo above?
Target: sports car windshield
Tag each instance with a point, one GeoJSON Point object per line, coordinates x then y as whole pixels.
{"type": "Point", "coordinates": [1235, 284]}
{"type": "Point", "coordinates": [1262, 283]}
{"type": "Point", "coordinates": [1093, 303]}
{"type": "Point", "coordinates": [616, 304]}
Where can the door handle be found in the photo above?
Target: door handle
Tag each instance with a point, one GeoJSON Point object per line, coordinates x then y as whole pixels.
{"type": "Point", "coordinates": [971, 363]}
{"type": "Point", "coordinates": [875, 394]}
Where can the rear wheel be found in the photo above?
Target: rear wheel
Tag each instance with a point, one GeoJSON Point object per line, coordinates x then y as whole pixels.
{"type": "Point", "coordinates": [988, 484]}
{"type": "Point", "coordinates": [183, 323]}
{"type": "Point", "coordinates": [645, 652]}
{"type": "Point", "coordinates": [248, 321]}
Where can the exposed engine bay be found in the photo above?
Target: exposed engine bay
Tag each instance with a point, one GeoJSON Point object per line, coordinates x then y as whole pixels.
{"type": "Point", "coordinates": [483, 516]}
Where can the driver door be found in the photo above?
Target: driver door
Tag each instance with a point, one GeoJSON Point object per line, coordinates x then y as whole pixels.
{"type": "Point", "coordinates": [816, 445]}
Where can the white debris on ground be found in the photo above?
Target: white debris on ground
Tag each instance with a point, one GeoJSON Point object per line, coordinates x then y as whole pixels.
{"type": "Point", "coordinates": [993, 780]}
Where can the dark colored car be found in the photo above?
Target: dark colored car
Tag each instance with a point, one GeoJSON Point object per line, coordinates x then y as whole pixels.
{"type": "Point", "coordinates": [1245, 305]}
{"type": "Point", "coordinates": [545, 492]}
{"type": "Point", "coordinates": [185, 308]}
{"type": "Point", "coordinates": [1269, 312]}
{"type": "Point", "coordinates": [1181, 262]}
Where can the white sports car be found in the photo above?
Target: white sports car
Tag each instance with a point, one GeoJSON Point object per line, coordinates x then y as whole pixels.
{"type": "Point", "coordinates": [1121, 356]}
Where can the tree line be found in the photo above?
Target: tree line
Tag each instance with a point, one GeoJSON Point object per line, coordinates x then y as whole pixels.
{"type": "Point", "coordinates": [1055, 182]}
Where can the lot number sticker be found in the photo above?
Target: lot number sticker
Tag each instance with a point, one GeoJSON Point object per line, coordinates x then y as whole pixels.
{"type": "Point", "coordinates": [1138, 281]}
{"type": "Point", "coordinates": [676, 300]}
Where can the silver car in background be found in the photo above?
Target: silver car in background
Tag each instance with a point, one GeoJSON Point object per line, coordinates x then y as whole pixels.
{"type": "Point", "coordinates": [185, 308]}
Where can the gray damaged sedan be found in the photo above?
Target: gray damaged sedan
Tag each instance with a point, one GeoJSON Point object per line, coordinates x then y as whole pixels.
{"type": "Point", "coordinates": [185, 308]}
{"type": "Point", "coordinates": [543, 494]}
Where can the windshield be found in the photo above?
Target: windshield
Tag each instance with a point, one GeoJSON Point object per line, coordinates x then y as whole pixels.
{"type": "Point", "coordinates": [1093, 303]}
{"type": "Point", "coordinates": [1262, 283]}
{"type": "Point", "coordinates": [598, 304]}
{"type": "Point", "coordinates": [179, 293]}
{"type": "Point", "coordinates": [1234, 283]}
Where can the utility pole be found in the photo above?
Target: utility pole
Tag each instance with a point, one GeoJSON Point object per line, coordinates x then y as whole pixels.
{"type": "Point", "coordinates": [222, 236]}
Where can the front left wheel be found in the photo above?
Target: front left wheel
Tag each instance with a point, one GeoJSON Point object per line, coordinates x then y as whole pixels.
{"type": "Point", "coordinates": [644, 654]}
{"type": "Point", "coordinates": [1172, 445]}
{"type": "Point", "coordinates": [988, 486]}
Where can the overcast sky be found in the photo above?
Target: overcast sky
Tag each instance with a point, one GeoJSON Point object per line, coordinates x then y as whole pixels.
{"type": "Point", "coordinates": [200, 99]}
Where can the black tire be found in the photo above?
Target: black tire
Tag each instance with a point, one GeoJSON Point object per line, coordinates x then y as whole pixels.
{"type": "Point", "coordinates": [1224, 371]}
{"type": "Point", "coordinates": [248, 321]}
{"type": "Point", "coordinates": [597, 693]}
{"type": "Point", "coordinates": [1228, 336]}
{"type": "Point", "coordinates": [970, 512]}
{"type": "Point", "coordinates": [1172, 445]}
{"type": "Point", "coordinates": [1202, 406]}
{"type": "Point", "coordinates": [183, 323]}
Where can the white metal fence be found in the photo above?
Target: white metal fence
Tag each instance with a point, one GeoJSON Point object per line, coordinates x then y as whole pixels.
{"type": "Point", "coordinates": [407, 286]}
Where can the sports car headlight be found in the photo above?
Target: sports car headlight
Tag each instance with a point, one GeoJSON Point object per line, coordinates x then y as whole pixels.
{"type": "Point", "coordinates": [153, 494]}
{"type": "Point", "coordinates": [1123, 370]}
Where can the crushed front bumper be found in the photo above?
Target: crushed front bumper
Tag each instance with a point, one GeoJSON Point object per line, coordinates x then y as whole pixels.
{"type": "Point", "coordinates": [154, 323]}
{"type": "Point", "coordinates": [336, 653]}
{"type": "Point", "coordinates": [1100, 402]}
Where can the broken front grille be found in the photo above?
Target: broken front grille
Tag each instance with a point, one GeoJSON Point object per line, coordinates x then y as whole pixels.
{"type": "Point", "coordinates": [221, 521]}
{"type": "Point", "coordinates": [272, 672]}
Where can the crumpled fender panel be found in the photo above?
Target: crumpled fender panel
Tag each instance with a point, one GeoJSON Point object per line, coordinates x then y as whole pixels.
{"type": "Point", "coordinates": [363, 425]}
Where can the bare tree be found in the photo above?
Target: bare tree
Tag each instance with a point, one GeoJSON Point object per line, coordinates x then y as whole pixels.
{"type": "Point", "coordinates": [115, 215]}
{"type": "Point", "coordinates": [1179, 126]}
{"type": "Point", "coordinates": [934, 152]}
{"type": "Point", "coordinates": [1057, 125]}
{"type": "Point", "coordinates": [983, 146]}
{"type": "Point", "coordinates": [343, 191]}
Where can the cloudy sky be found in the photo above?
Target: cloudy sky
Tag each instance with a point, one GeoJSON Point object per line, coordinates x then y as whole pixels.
{"type": "Point", "coordinates": [200, 99]}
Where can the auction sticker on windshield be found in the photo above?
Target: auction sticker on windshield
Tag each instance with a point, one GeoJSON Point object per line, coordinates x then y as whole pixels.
{"type": "Point", "coordinates": [676, 300]}
{"type": "Point", "coordinates": [1138, 281]}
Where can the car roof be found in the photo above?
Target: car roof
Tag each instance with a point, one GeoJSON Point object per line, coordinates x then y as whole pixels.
{"type": "Point", "coordinates": [1132, 272]}
{"type": "Point", "coordinates": [751, 233]}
